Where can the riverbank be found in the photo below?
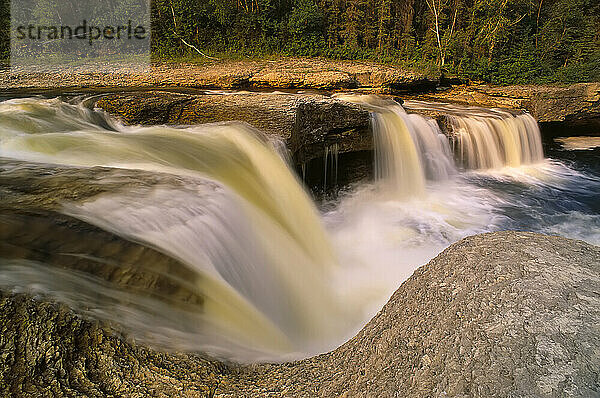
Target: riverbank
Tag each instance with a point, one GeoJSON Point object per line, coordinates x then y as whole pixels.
{"type": "Point", "coordinates": [497, 314]}
{"type": "Point", "coordinates": [286, 73]}
{"type": "Point", "coordinates": [577, 105]}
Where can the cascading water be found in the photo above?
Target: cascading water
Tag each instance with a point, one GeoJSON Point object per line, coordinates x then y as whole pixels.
{"type": "Point", "coordinates": [432, 145]}
{"type": "Point", "coordinates": [489, 138]}
{"type": "Point", "coordinates": [408, 148]}
{"type": "Point", "coordinates": [201, 238]}
{"type": "Point", "coordinates": [330, 167]}
{"type": "Point", "coordinates": [431, 205]}
{"type": "Point", "coordinates": [243, 223]}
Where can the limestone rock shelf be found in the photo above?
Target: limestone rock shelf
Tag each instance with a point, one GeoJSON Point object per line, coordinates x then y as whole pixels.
{"type": "Point", "coordinates": [573, 109]}
{"type": "Point", "coordinates": [285, 73]}
{"type": "Point", "coordinates": [307, 122]}
{"type": "Point", "coordinates": [499, 314]}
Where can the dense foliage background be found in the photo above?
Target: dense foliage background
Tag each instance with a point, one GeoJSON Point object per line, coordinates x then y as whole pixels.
{"type": "Point", "coordinates": [500, 41]}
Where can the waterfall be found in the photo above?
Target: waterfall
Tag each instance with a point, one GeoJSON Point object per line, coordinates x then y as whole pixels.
{"type": "Point", "coordinates": [432, 145]}
{"type": "Point", "coordinates": [220, 202]}
{"type": "Point", "coordinates": [241, 222]}
{"type": "Point", "coordinates": [325, 168]}
{"type": "Point", "coordinates": [397, 161]}
{"type": "Point", "coordinates": [495, 141]}
{"type": "Point", "coordinates": [335, 154]}
{"type": "Point", "coordinates": [408, 148]}
{"type": "Point", "coordinates": [329, 168]}
{"type": "Point", "coordinates": [489, 138]}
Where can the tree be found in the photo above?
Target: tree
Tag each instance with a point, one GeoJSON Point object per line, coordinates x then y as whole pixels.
{"type": "Point", "coordinates": [443, 35]}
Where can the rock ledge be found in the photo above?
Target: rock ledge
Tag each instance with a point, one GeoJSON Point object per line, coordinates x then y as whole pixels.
{"type": "Point", "coordinates": [500, 314]}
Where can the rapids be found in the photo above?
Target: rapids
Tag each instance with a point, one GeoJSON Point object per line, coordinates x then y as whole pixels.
{"type": "Point", "coordinates": [254, 271]}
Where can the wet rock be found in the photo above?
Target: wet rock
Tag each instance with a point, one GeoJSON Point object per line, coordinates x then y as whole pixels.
{"type": "Point", "coordinates": [32, 227]}
{"type": "Point", "coordinates": [576, 106]}
{"type": "Point", "coordinates": [500, 314]}
{"type": "Point", "coordinates": [308, 123]}
{"type": "Point", "coordinates": [47, 351]}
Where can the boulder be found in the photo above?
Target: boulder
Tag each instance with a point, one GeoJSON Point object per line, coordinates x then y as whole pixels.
{"type": "Point", "coordinates": [499, 314]}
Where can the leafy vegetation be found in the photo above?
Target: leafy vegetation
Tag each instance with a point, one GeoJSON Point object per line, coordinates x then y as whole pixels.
{"type": "Point", "coordinates": [4, 31]}
{"type": "Point", "coordinates": [499, 41]}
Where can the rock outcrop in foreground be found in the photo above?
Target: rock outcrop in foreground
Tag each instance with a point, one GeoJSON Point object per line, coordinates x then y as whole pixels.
{"type": "Point", "coordinates": [501, 314]}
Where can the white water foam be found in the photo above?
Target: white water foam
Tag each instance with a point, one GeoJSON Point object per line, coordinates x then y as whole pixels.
{"type": "Point", "coordinates": [277, 284]}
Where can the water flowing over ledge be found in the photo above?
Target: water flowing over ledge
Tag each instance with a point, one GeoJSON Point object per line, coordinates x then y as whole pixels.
{"type": "Point", "coordinates": [313, 124]}
{"type": "Point", "coordinates": [241, 223]}
{"type": "Point", "coordinates": [242, 266]}
{"type": "Point", "coordinates": [410, 148]}
{"type": "Point", "coordinates": [570, 110]}
{"type": "Point", "coordinates": [488, 138]}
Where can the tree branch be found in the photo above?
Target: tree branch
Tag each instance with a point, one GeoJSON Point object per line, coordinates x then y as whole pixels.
{"type": "Point", "coordinates": [199, 52]}
{"type": "Point", "coordinates": [185, 42]}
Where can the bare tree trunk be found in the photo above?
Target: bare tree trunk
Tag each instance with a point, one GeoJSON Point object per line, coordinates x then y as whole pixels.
{"type": "Point", "coordinates": [435, 10]}
{"type": "Point", "coordinates": [537, 24]}
{"type": "Point", "coordinates": [450, 35]}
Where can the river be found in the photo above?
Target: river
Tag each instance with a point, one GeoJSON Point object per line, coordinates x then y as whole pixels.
{"type": "Point", "coordinates": [203, 239]}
